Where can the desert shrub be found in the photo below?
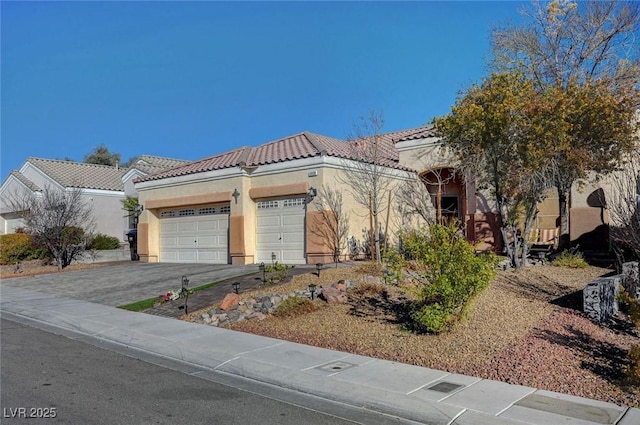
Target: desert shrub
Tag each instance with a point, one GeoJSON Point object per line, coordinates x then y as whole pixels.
{"type": "Point", "coordinates": [102, 242]}
{"type": "Point", "coordinates": [295, 306]}
{"type": "Point", "coordinates": [450, 275]}
{"type": "Point", "coordinates": [17, 247]}
{"type": "Point", "coordinates": [277, 272]}
{"type": "Point", "coordinates": [629, 305]}
{"type": "Point", "coordinates": [571, 258]}
{"type": "Point", "coordinates": [632, 370]}
{"type": "Point", "coordinates": [367, 289]}
{"type": "Point", "coordinates": [370, 268]}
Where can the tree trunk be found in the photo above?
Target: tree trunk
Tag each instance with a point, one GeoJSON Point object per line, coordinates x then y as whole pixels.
{"type": "Point", "coordinates": [563, 210]}
{"type": "Point", "coordinates": [372, 243]}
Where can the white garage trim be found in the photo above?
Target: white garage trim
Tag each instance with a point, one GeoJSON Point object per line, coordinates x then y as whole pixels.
{"type": "Point", "coordinates": [196, 234]}
{"type": "Point", "coordinates": [280, 230]}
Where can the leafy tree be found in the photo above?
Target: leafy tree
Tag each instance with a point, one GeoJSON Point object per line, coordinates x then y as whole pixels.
{"type": "Point", "coordinates": [133, 208]}
{"type": "Point", "coordinates": [332, 222]}
{"type": "Point", "coordinates": [572, 50]}
{"type": "Point", "coordinates": [594, 128]}
{"type": "Point", "coordinates": [102, 156]}
{"type": "Point", "coordinates": [493, 129]}
{"type": "Point", "coordinates": [57, 219]}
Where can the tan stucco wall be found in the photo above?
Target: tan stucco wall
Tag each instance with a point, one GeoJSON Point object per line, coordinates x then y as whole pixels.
{"type": "Point", "coordinates": [242, 220]}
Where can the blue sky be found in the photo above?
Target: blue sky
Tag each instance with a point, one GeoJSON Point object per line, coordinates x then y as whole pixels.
{"type": "Point", "coordinates": [190, 80]}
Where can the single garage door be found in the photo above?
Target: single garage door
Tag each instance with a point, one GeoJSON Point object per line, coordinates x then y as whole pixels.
{"type": "Point", "coordinates": [280, 230]}
{"type": "Point", "coordinates": [195, 235]}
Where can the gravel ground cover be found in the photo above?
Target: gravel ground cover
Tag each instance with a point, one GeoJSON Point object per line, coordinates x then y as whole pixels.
{"type": "Point", "coordinates": [526, 328]}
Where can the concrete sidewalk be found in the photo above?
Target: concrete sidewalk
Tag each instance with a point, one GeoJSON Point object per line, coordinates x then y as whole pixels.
{"type": "Point", "coordinates": [415, 394]}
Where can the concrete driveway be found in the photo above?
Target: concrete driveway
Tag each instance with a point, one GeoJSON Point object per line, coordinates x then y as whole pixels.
{"type": "Point", "coordinates": [127, 282]}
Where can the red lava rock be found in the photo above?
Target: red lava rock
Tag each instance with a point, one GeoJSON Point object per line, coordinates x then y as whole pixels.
{"type": "Point", "coordinates": [340, 286]}
{"type": "Point", "coordinates": [229, 301]}
{"type": "Point", "coordinates": [333, 296]}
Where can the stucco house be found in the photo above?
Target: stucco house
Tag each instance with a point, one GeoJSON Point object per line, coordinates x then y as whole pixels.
{"type": "Point", "coordinates": [104, 187]}
{"type": "Point", "coordinates": [254, 204]}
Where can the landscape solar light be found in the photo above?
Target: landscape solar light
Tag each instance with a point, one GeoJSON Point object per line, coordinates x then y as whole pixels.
{"type": "Point", "coordinates": [273, 258]}
{"type": "Point", "coordinates": [184, 292]}
{"type": "Point", "coordinates": [318, 268]}
{"type": "Point", "coordinates": [262, 269]}
{"type": "Point", "coordinates": [312, 289]}
{"type": "Point", "coordinates": [235, 286]}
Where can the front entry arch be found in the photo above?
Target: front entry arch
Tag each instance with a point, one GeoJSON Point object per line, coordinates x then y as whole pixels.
{"type": "Point", "coordinates": [447, 193]}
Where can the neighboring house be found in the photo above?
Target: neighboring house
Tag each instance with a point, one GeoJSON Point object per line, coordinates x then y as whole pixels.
{"type": "Point", "coordinates": [104, 187]}
{"type": "Point", "coordinates": [143, 165]}
{"type": "Point", "coordinates": [254, 204]}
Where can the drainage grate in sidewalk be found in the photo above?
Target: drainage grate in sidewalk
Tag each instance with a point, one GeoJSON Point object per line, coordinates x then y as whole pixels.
{"type": "Point", "coordinates": [444, 387]}
{"type": "Point", "coordinates": [336, 366]}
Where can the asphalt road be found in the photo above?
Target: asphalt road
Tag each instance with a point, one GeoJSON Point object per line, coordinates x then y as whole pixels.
{"type": "Point", "coordinates": [65, 381]}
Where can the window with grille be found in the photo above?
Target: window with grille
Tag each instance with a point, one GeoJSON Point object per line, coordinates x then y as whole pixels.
{"type": "Point", "coordinates": [166, 214]}
{"type": "Point", "coordinates": [226, 209]}
{"type": "Point", "coordinates": [294, 202]}
{"type": "Point", "coordinates": [268, 204]}
{"type": "Point", "coordinates": [186, 212]}
{"type": "Point", "coordinates": [207, 211]}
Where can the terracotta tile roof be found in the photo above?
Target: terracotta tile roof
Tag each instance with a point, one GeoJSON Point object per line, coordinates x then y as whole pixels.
{"type": "Point", "coordinates": [80, 174]}
{"type": "Point", "coordinates": [414, 134]}
{"type": "Point", "coordinates": [25, 181]}
{"type": "Point", "coordinates": [297, 146]}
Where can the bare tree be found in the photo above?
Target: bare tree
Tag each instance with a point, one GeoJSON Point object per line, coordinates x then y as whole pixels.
{"type": "Point", "coordinates": [423, 194]}
{"type": "Point", "coordinates": [622, 198]}
{"type": "Point", "coordinates": [332, 222]}
{"type": "Point", "coordinates": [413, 199]}
{"type": "Point", "coordinates": [57, 219]}
{"type": "Point", "coordinates": [367, 172]}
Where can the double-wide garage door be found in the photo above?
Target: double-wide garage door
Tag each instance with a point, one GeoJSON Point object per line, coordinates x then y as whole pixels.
{"type": "Point", "coordinates": [280, 230]}
{"type": "Point", "coordinates": [195, 235]}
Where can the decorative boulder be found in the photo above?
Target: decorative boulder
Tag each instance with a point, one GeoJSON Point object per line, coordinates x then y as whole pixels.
{"type": "Point", "coordinates": [333, 296]}
{"type": "Point", "coordinates": [631, 279]}
{"type": "Point", "coordinates": [340, 286]}
{"type": "Point", "coordinates": [229, 301]}
{"type": "Point", "coordinates": [599, 298]}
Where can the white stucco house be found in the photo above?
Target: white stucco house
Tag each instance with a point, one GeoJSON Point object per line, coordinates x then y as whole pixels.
{"type": "Point", "coordinates": [103, 187]}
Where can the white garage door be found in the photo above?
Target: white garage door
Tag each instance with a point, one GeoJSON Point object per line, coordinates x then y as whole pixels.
{"type": "Point", "coordinates": [280, 230]}
{"type": "Point", "coordinates": [195, 235]}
